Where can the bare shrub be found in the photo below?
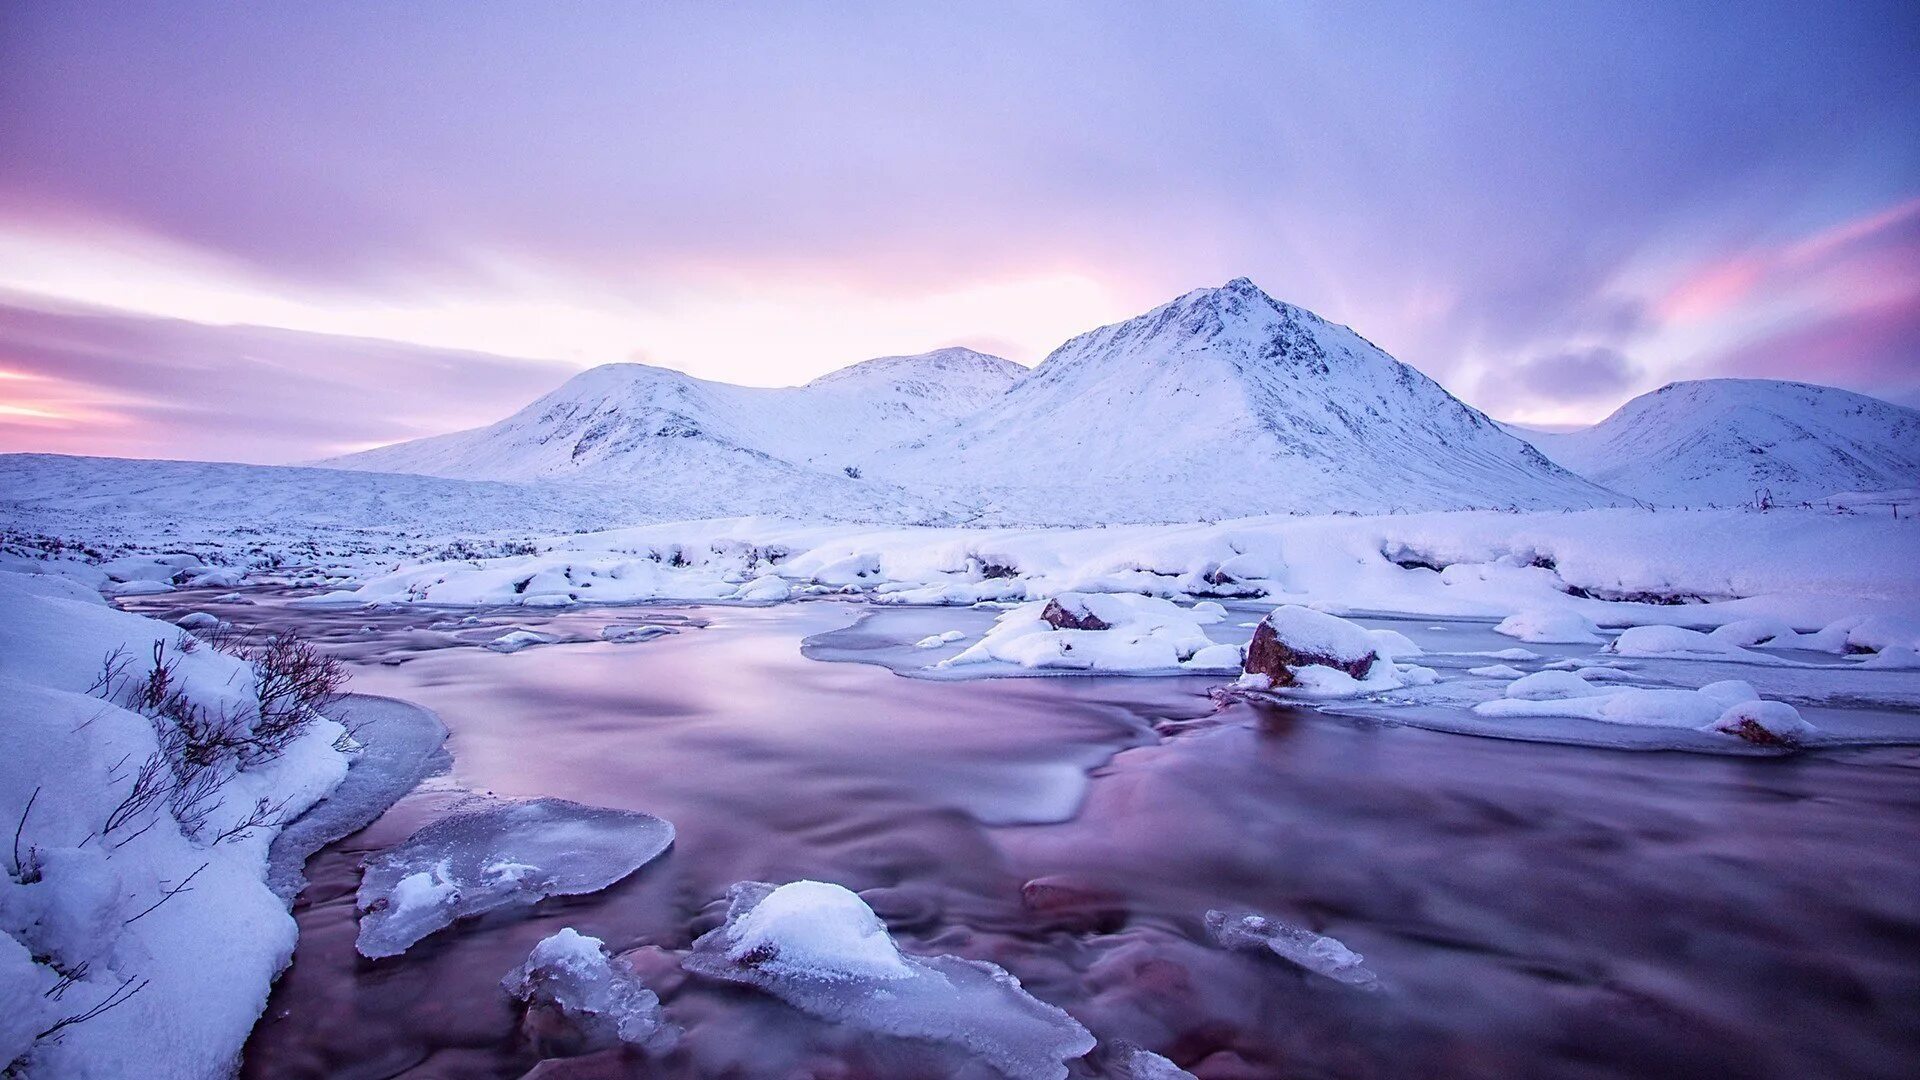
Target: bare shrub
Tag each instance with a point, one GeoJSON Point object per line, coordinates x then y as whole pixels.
{"type": "Point", "coordinates": [295, 683]}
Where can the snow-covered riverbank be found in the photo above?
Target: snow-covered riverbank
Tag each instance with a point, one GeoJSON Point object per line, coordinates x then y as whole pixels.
{"type": "Point", "coordinates": [146, 776]}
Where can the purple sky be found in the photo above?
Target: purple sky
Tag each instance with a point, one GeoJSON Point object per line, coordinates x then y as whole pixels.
{"type": "Point", "coordinates": [1548, 210]}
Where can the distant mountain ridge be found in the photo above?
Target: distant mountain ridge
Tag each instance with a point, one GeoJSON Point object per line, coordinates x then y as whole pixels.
{"type": "Point", "coordinates": [1729, 441]}
{"type": "Point", "coordinates": [1223, 402]}
{"type": "Point", "coordinates": [1227, 402]}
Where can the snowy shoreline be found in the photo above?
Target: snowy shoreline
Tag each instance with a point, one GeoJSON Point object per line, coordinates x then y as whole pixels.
{"type": "Point", "coordinates": [145, 915]}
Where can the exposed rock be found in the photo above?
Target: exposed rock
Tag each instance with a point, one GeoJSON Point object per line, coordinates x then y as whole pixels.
{"type": "Point", "coordinates": [1072, 615]}
{"type": "Point", "coordinates": [1295, 637]}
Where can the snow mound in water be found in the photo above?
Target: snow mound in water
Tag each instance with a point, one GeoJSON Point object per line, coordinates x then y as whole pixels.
{"type": "Point", "coordinates": [1766, 723]}
{"type": "Point", "coordinates": [821, 949]}
{"type": "Point", "coordinates": [481, 860]}
{"type": "Point", "coordinates": [1671, 641]}
{"type": "Point", "coordinates": [1113, 632]}
{"type": "Point", "coordinates": [626, 635]}
{"type": "Point", "coordinates": [1568, 694]}
{"type": "Point", "coordinates": [569, 977]}
{"type": "Point", "coordinates": [1322, 955]}
{"type": "Point", "coordinates": [519, 639]}
{"type": "Point", "coordinates": [1559, 627]}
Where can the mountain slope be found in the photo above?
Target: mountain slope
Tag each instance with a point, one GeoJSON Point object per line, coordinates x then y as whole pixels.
{"type": "Point", "coordinates": [1724, 441]}
{"type": "Point", "coordinates": [1227, 402]}
{"type": "Point", "coordinates": [646, 423]}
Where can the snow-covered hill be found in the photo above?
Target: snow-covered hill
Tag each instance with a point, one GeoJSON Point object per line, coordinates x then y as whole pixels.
{"type": "Point", "coordinates": [634, 422]}
{"type": "Point", "coordinates": [1727, 441]}
{"type": "Point", "coordinates": [1221, 403]}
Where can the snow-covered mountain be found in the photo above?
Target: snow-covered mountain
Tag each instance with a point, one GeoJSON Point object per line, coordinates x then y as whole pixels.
{"type": "Point", "coordinates": [1221, 403]}
{"type": "Point", "coordinates": [632, 422]}
{"type": "Point", "coordinates": [1726, 441]}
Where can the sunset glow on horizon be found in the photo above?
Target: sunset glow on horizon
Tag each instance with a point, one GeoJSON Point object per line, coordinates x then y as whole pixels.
{"type": "Point", "coordinates": [1546, 211]}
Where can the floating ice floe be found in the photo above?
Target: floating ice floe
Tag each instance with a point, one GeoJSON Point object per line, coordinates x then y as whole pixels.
{"type": "Point", "coordinates": [519, 639]}
{"type": "Point", "coordinates": [1556, 626]}
{"type": "Point", "coordinates": [1115, 632]}
{"type": "Point", "coordinates": [516, 854]}
{"type": "Point", "coordinates": [570, 980]}
{"type": "Point", "coordinates": [820, 948]}
{"type": "Point", "coordinates": [934, 641]}
{"type": "Point", "coordinates": [1322, 955]}
{"type": "Point", "coordinates": [627, 635]}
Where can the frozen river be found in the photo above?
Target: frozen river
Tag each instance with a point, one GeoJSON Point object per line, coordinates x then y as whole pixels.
{"type": "Point", "coordinates": [1530, 908]}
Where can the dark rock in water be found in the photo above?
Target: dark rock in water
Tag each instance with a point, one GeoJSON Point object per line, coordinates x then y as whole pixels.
{"type": "Point", "coordinates": [1268, 654]}
{"type": "Point", "coordinates": [1074, 904]}
{"type": "Point", "coordinates": [1072, 616]}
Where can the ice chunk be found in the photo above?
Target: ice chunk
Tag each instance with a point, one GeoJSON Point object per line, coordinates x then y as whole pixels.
{"type": "Point", "coordinates": [1894, 657]}
{"type": "Point", "coordinates": [626, 635]}
{"type": "Point", "coordinates": [1554, 627]}
{"type": "Point", "coordinates": [820, 949]}
{"type": "Point", "coordinates": [1126, 1061]}
{"type": "Point", "coordinates": [481, 860]}
{"type": "Point", "coordinates": [198, 620]}
{"type": "Point", "coordinates": [934, 641]}
{"type": "Point", "coordinates": [569, 977]}
{"type": "Point", "coordinates": [1766, 723]}
{"type": "Point", "coordinates": [1497, 671]}
{"type": "Point", "coordinates": [815, 929]}
{"type": "Point", "coordinates": [1654, 707]}
{"type": "Point", "coordinates": [1251, 932]}
{"type": "Point", "coordinates": [517, 640]}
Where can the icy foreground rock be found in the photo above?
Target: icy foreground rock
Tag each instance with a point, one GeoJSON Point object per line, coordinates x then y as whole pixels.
{"type": "Point", "coordinates": [821, 949]}
{"type": "Point", "coordinates": [1250, 932]}
{"type": "Point", "coordinates": [570, 978]}
{"type": "Point", "coordinates": [476, 862]}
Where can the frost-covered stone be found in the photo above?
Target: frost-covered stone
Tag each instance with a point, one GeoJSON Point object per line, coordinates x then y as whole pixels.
{"type": "Point", "coordinates": [1292, 638]}
{"type": "Point", "coordinates": [1553, 627]}
{"type": "Point", "coordinates": [1073, 611]}
{"type": "Point", "coordinates": [475, 862]}
{"type": "Point", "coordinates": [819, 948]}
{"type": "Point", "coordinates": [571, 986]}
{"type": "Point", "coordinates": [1322, 955]}
{"type": "Point", "coordinates": [198, 620]}
{"type": "Point", "coordinates": [1765, 723]}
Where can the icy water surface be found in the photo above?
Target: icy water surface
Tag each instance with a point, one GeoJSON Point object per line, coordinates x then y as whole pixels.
{"type": "Point", "coordinates": [1529, 909]}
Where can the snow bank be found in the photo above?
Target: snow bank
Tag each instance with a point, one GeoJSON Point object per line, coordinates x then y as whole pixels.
{"type": "Point", "coordinates": [483, 860]}
{"type": "Point", "coordinates": [136, 896]}
{"type": "Point", "coordinates": [821, 949]}
{"type": "Point", "coordinates": [1616, 567]}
